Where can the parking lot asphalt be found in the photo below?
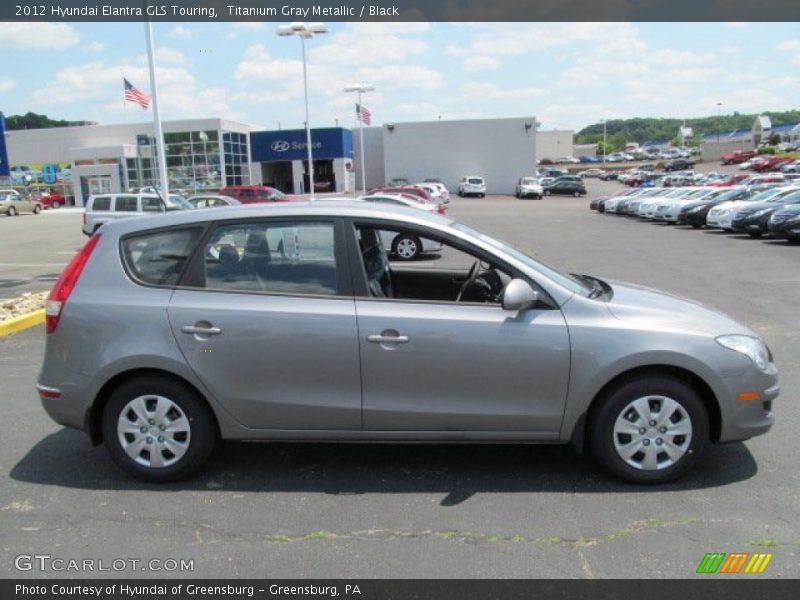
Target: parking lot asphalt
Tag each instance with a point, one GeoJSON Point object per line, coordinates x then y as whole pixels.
{"type": "Point", "coordinates": [35, 248]}
{"type": "Point", "coordinates": [315, 510]}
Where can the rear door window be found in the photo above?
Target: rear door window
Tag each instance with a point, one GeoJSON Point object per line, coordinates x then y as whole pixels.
{"type": "Point", "coordinates": [158, 258]}
{"type": "Point", "coordinates": [151, 204]}
{"type": "Point", "coordinates": [285, 258]}
{"type": "Point", "coordinates": [126, 204]}
{"type": "Point", "coordinates": [101, 203]}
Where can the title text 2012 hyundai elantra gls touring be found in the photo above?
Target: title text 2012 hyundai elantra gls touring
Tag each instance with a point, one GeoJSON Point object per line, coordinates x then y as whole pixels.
{"type": "Point", "coordinates": [289, 323]}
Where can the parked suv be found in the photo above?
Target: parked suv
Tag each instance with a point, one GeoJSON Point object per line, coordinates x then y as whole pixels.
{"type": "Point", "coordinates": [472, 186]}
{"type": "Point", "coordinates": [250, 194]}
{"type": "Point", "coordinates": [105, 208]}
{"type": "Point", "coordinates": [290, 323]}
{"type": "Point", "coordinates": [679, 164]}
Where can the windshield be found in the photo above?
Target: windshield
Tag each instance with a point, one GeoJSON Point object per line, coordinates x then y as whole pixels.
{"type": "Point", "coordinates": [571, 282]}
{"type": "Point", "coordinates": [767, 195]}
{"type": "Point", "coordinates": [475, 180]}
{"type": "Point", "coordinates": [529, 181]}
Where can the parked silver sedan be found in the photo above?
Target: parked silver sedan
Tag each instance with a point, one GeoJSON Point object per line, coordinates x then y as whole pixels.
{"type": "Point", "coordinates": [297, 327]}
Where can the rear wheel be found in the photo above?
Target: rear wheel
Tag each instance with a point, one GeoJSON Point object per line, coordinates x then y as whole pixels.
{"type": "Point", "coordinates": [12, 212]}
{"type": "Point", "coordinates": [56, 204]}
{"type": "Point", "coordinates": [158, 429]}
{"type": "Point", "coordinates": [576, 194]}
{"type": "Point", "coordinates": [649, 430]}
{"type": "Point", "coordinates": [37, 209]}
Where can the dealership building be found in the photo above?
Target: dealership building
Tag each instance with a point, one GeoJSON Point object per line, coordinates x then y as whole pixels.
{"type": "Point", "coordinates": [207, 154]}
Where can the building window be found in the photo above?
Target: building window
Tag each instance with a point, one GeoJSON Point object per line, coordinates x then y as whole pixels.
{"type": "Point", "coordinates": [236, 154]}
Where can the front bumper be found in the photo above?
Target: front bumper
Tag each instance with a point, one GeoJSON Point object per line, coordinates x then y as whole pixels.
{"type": "Point", "coordinates": [744, 419]}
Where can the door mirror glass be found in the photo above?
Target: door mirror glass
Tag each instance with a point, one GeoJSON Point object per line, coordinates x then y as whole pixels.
{"type": "Point", "coordinates": [519, 295]}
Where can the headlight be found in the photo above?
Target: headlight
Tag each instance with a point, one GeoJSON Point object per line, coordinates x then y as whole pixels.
{"type": "Point", "coordinates": [751, 347]}
{"type": "Point", "coordinates": [761, 213]}
{"type": "Point", "coordinates": [696, 209]}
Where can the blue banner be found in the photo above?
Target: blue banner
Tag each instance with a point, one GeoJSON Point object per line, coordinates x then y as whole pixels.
{"type": "Point", "coordinates": [290, 144]}
{"type": "Point", "coordinates": [3, 152]}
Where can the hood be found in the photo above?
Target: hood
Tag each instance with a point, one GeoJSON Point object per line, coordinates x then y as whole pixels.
{"type": "Point", "coordinates": [656, 309]}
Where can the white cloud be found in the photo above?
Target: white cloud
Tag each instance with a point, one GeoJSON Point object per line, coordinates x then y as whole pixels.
{"type": "Point", "coordinates": [251, 25]}
{"type": "Point", "coordinates": [789, 45]}
{"type": "Point", "coordinates": [39, 36]}
{"type": "Point", "coordinates": [481, 63]}
{"type": "Point", "coordinates": [737, 24]}
{"type": "Point", "coordinates": [490, 91]}
{"type": "Point", "coordinates": [170, 55]}
{"type": "Point", "coordinates": [183, 33]}
{"type": "Point", "coordinates": [674, 58]}
{"type": "Point", "coordinates": [366, 44]}
{"type": "Point", "coordinates": [6, 84]}
{"type": "Point", "coordinates": [97, 81]}
{"type": "Point", "coordinates": [402, 77]}
{"type": "Point", "coordinates": [258, 66]}
{"type": "Point", "coordinates": [94, 47]}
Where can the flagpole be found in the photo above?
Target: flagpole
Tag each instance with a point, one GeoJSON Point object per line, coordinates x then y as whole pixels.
{"type": "Point", "coordinates": [361, 144]}
{"type": "Point", "coordinates": [162, 159]}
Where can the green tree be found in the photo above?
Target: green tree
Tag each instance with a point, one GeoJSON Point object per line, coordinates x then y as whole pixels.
{"type": "Point", "coordinates": [31, 120]}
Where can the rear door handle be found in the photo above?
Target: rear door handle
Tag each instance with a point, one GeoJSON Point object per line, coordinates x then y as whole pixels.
{"type": "Point", "coordinates": [195, 330]}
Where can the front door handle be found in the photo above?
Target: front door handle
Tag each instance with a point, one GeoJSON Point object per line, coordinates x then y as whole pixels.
{"type": "Point", "coordinates": [201, 330]}
{"type": "Point", "coordinates": [382, 338]}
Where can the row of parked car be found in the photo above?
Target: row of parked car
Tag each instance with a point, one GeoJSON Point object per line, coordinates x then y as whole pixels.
{"type": "Point", "coordinates": [757, 210]}
{"type": "Point", "coordinates": [105, 208]}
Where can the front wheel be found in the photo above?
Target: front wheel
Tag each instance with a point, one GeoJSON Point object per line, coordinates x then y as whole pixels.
{"type": "Point", "coordinates": [12, 212]}
{"type": "Point", "coordinates": [577, 194]}
{"type": "Point", "coordinates": [406, 247]}
{"type": "Point", "coordinates": [649, 430]}
{"type": "Point", "coordinates": [37, 209]}
{"type": "Point", "coordinates": [158, 429]}
{"type": "Point", "coordinates": [56, 204]}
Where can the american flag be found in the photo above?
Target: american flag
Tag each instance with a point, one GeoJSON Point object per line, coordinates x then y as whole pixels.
{"type": "Point", "coordinates": [134, 95]}
{"type": "Point", "coordinates": [363, 115]}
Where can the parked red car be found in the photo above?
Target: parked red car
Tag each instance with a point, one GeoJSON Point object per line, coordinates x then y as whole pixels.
{"type": "Point", "coordinates": [772, 164]}
{"type": "Point", "coordinates": [730, 181]}
{"type": "Point", "coordinates": [49, 199]}
{"type": "Point", "coordinates": [738, 157]}
{"type": "Point", "coordinates": [250, 194]}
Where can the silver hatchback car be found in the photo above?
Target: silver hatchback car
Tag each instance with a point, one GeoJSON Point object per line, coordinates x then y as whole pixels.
{"type": "Point", "coordinates": [290, 323]}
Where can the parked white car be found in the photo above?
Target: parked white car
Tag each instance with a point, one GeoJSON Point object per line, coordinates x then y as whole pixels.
{"type": "Point", "coordinates": [105, 208]}
{"type": "Point", "coordinates": [529, 187]}
{"type": "Point", "coordinates": [472, 185]}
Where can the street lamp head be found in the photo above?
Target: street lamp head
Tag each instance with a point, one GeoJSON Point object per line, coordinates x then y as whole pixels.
{"type": "Point", "coordinates": [284, 30]}
{"type": "Point", "coordinates": [360, 87]}
{"type": "Point", "coordinates": [317, 28]}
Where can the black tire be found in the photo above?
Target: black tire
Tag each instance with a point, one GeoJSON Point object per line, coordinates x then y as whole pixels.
{"type": "Point", "coordinates": [604, 415]}
{"type": "Point", "coordinates": [482, 195]}
{"type": "Point", "coordinates": [12, 212]}
{"type": "Point", "coordinates": [547, 192]}
{"type": "Point", "coordinates": [56, 204]}
{"type": "Point", "coordinates": [696, 226]}
{"type": "Point", "coordinates": [203, 429]}
{"type": "Point", "coordinates": [409, 241]}
{"type": "Point", "coordinates": [37, 209]}
{"type": "Point", "coordinates": [755, 234]}
{"type": "Point", "coordinates": [577, 194]}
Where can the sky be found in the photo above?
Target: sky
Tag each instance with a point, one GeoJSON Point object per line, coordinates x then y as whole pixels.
{"type": "Point", "coordinates": [567, 75]}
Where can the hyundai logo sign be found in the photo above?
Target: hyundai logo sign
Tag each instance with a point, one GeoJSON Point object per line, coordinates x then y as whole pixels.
{"type": "Point", "coordinates": [280, 146]}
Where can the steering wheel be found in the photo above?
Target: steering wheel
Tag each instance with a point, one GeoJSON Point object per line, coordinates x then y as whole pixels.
{"type": "Point", "coordinates": [471, 277]}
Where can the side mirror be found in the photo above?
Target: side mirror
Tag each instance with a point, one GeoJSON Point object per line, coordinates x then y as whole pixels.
{"type": "Point", "coordinates": [519, 295]}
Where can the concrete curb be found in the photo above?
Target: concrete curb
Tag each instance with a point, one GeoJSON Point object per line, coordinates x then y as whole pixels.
{"type": "Point", "coordinates": [21, 323]}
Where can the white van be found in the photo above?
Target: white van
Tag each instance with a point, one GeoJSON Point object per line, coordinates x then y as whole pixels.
{"type": "Point", "coordinates": [104, 208]}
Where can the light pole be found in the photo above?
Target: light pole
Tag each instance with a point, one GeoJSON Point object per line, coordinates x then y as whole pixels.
{"type": "Point", "coordinates": [305, 31]}
{"type": "Point", "coordinates": [719, 107]}
{"type": "Point", "coordinates": [361, 88]}
{"type": "Point", "coordinates": [605, 147]}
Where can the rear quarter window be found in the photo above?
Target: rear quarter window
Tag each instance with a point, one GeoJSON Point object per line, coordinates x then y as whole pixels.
{"type": "Point", "coordinates": [159, 258]}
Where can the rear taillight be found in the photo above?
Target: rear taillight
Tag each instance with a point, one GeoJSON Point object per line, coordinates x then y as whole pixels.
{"type": "Point", "coordinates": [66, 283]}
{"type": "Point", "coordinates": [441, 209]}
